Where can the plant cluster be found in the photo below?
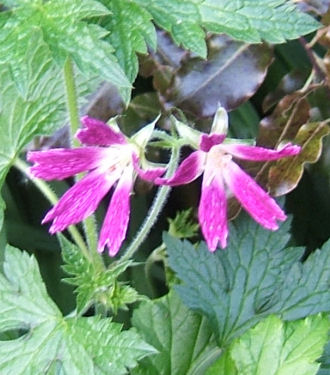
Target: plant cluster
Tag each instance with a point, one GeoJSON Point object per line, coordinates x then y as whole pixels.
{"type": "Point", "coordinates": [137, 117]}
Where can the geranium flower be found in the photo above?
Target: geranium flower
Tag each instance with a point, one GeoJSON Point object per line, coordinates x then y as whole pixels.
{"type": "Point", "coordinates": [111, 160]}
{"type": "Point", "coordinates": [222, 177]}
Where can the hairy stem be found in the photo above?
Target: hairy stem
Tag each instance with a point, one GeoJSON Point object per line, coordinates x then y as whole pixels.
{"type": "Point", "coordinates": [89, 224]}
{"type": "Point", "coordinates": [155, 209]}
{"type": "Point", "coordinates": [71, 100]}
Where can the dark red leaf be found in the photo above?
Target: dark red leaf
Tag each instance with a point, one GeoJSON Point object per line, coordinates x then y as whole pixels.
{"type": "Point", "coordinates": [231, 75]}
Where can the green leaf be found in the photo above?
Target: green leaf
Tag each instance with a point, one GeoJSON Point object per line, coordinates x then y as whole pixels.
{"type": "Point", "coordinates": [71, 345]}
{"type": "Point", "coordinates": [183, 339]}
{"type": "Point", "coordinates": [77, 9]}
{"type": "Point", "coordinates": [305, 287]}
{"type": "Point", "coordinates": [96, 286]}
{"type": "Point", "coordinates": [43, 109]}
{"type": "Point", "coordinates": [246, 20]}
{"type": "Point", "coordinates": [181, 19]}
{"type": "Point", "coordinates": [131, 30]}
{"type": "Point", "coordinates": [274, 21]}
{"type": "Point", "coordinates": [292, 347]}
{"type": "Point", "coordinates": [254, 277]}
{"type": "Point", "coordinates": [277, 348]}
{"type": "Point", "coordinates": [41, 112]}
{"type": "Point", "coordinates": [66, 34]}
{"type": "Point", "coordinates": [183, 226]}
{"type": "Point", "coordinates": [224, 366]}
{"type": "Point", "coordinates": [325, 361]}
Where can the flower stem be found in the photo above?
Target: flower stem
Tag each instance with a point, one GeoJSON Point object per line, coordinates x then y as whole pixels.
{"type": "Point", "coordinates": [89, 224]}
{"type": "Point", "coordinates": [162, 135]}
{"type": "Point", "coordinates": [52, 198]}
{"type": "Point", "coordinates": [71, 100]}
{"type": "Point", "coordinates": [155, 209]}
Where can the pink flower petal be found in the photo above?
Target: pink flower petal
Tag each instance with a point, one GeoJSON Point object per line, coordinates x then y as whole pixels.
{"type": "Point", "coordinates": [81, 200]}
{"type": "Point", "coordinates": [208, 141]}
{"type": "Point", "coordinates": [147, 174]}
{"type": "Point", "coordinates": [96, 132]}
{"type": "Point", "coordinates": [212, 212]}
{"type": "Point", "coordinates": [252, 197]}
{"type": "Point", "coordinates": [190, 169]}
{"type": "Point", "coordinates": [259, 153]}
{"type": "Point", "coordinates": [115, 224]}
{"type": "Point", "coordinates": [150, 174]}
{"type": "Point", "coordinates": [62, 163]}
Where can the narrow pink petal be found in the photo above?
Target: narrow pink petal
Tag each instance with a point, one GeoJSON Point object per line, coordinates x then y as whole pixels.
{"type": "Point", "coordinates": [212, 212]}
{"type": "Point", "coordinates": [259, 153]}
{"type": "Point", "coordinates": [80, 201]}
{"type": "Point", "coordinates": [62, 163]}
{"type": "Point", "coordinates": [115, 224]}
{"type": "Point", "coordinates": [96, 132]}
{"type": "Point", "coordinates": [190, 169]}
{"type": "Point", "coordinates": [150, 174]}
{"type": "Point", "coordinates": [252, 197]}
{"type": "Point", "coordinates": [208, 141]}
{"type": "Point", "coordinates": [147, 174]}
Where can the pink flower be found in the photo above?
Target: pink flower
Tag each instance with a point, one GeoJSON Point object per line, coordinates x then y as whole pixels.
{"type": "Point", "coordinates": [111, 162]}
{"type": "Point", "coordinates": [222, 177]}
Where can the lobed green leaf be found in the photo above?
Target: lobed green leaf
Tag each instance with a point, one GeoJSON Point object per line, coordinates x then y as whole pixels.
{"type": "Point", "coordinates": [131, 31]}
{"type": "Point", "coordinates": [53, 343]}
{"type": "Point", "coordinates": [181, 19]}
{"type": "Point", "coordinates": [64, 30]}
{"type": "Point", "coordinates": [41, 111]}
{"type": "Point", "coordinates": [252, 21]}
{"type": "Point", "coordinates": [276, 348]}
{"type": "Point", "coordinates": [96, 286]}
{"type": "Point", "coordinates": [254, 277]}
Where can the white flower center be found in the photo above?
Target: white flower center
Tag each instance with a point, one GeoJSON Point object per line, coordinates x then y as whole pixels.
{"type": "Point", "coordinates": [217, 158]}
{"type": "Point", "coordinates": [116, 158]}
{"type": "Point", "coordinates": [216, 161]}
